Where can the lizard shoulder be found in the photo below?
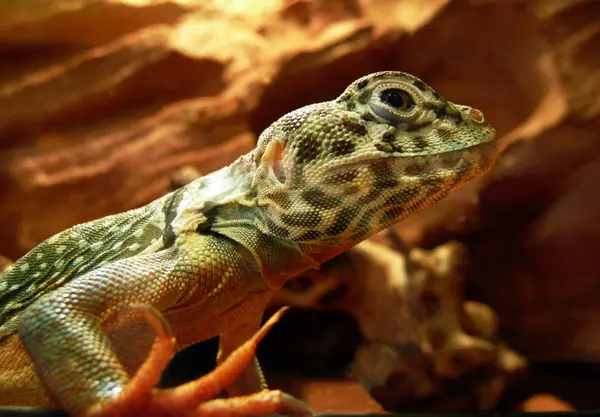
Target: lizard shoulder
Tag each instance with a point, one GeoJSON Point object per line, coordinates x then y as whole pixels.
{"type": "Point", "coordinates": [88, 246]}
{"type": "Point", "coordinates": [81, 249]}
{"type": "Point", "coordinates": [199, 198]}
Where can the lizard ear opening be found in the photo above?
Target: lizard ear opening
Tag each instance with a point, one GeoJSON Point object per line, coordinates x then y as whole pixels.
{"type": "Point", "coordinates": [273, 158]}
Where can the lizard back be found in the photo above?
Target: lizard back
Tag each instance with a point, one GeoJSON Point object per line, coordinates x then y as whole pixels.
{"type": "Point", "coordinates": [87, 246]}
{"type": "Point", "coordinates": [76, 251]}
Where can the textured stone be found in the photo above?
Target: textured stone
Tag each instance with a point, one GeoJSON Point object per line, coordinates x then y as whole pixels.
{"type": "Point", "coordinates": [96, 128]}
{"type": "Point", "coordinates": [80, 22]}
{"type": "Point", "coordinates": [531, 224]}
{"type": "Point", "coordinates": [545, 402]}
{"type": "Point", "coordinates": [425, 348]}
{"type": "Point", "coordinates": [103, 101]}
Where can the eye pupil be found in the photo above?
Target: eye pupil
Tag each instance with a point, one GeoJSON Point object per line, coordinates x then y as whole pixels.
{"type": "Point", "coordinates": [397, 99]}
{"type": "Point", "coordinates": [393, 98]}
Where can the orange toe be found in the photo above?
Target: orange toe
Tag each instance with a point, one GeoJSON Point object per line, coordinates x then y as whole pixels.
{"type": "Point", "coordinates": [139, 392]}
{"type": "Point", "coordinates": [194, 393]}
{"type": "Point", "coordinates": [196, 398]}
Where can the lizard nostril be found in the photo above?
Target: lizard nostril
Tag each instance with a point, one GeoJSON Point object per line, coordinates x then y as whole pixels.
{"type": "Point", "coordinates": [476, 116]}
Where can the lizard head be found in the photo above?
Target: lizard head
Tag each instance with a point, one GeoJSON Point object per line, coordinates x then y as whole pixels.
{"type": "Point", "coordinates": [337, 172]}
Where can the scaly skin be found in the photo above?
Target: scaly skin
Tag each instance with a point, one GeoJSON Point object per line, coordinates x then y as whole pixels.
{"type": "Point", "coordinates": [208, 257]}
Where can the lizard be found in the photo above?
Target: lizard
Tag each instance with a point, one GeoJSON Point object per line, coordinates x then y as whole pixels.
{"type": "Point", "coordinates": [204, 260]}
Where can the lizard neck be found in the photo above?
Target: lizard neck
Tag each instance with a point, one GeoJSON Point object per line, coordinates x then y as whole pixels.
{"type": "Point", "coordinates": [226, 202]}
{"type": "Point", "coordinates": [233, 208]}
{"type": "Point", "coordinates": [279, 259]}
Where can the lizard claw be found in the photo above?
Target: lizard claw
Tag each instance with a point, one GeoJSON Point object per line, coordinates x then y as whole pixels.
{"type": "Point", "coordinates": [195, 398]}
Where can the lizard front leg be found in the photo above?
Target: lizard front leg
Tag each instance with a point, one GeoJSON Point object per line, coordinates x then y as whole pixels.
{"type": "Point", "coordinates": [180, 400]}
{"type": "Point", "coordinates": [62, 330]}
{"type": "Point", "coordinates": [252, 379]}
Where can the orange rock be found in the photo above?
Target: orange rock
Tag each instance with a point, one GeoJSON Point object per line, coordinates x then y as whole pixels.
{"type": "Point", "coordinates": [545, 402]}
{"type": "Point", "coordinates": [102, 101]}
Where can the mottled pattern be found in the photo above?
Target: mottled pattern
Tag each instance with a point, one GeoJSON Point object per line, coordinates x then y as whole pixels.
{"type": "Point", "coordinates": [76, 251]}
{"type": "Point", "coordinates": [208, 256]}
{"type": "Point", "coordinates": [367, 165]}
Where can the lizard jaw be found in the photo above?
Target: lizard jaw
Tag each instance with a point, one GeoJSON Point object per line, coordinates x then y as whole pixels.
{"type": "Point", "coordinates": [479, 157]}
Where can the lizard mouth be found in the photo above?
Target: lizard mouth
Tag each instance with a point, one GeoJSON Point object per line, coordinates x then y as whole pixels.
{"type": "Point", "coordinates": [481, 155]}
{"type": "Point", "coordinates": [478, 157]}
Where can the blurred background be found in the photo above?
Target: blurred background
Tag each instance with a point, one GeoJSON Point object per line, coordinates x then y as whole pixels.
{"type": "Point", "coordinates": [104, 102]}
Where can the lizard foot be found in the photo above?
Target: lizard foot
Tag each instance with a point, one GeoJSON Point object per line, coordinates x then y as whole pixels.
{"type": "Point", "coordinates": [195, 398]}
{"type": "Point", "coordinates": [260, 403]}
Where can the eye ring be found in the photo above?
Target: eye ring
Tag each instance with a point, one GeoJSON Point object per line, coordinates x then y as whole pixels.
{"type": "Point", "coordinates": [397, 99]}
{"type": "Point", "coordinates": [394, 104]}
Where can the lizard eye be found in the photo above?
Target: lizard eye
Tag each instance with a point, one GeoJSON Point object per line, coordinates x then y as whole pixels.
{"type": "Point", "coordinates": [392, 104]}
{"type": "Point", "coordinates": [396, 98]}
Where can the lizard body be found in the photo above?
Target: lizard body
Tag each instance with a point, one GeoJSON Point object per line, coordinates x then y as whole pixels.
{"type": "Point", "coordinates": [209, 255]}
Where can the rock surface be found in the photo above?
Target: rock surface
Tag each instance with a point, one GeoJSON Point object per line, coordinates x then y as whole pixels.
{"type": "Point", "coordinates": [103, 101]}
{"type": "Point", "coordinates": [424, 346]}
{"type": "Point", "coordinates": [531, 223]}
